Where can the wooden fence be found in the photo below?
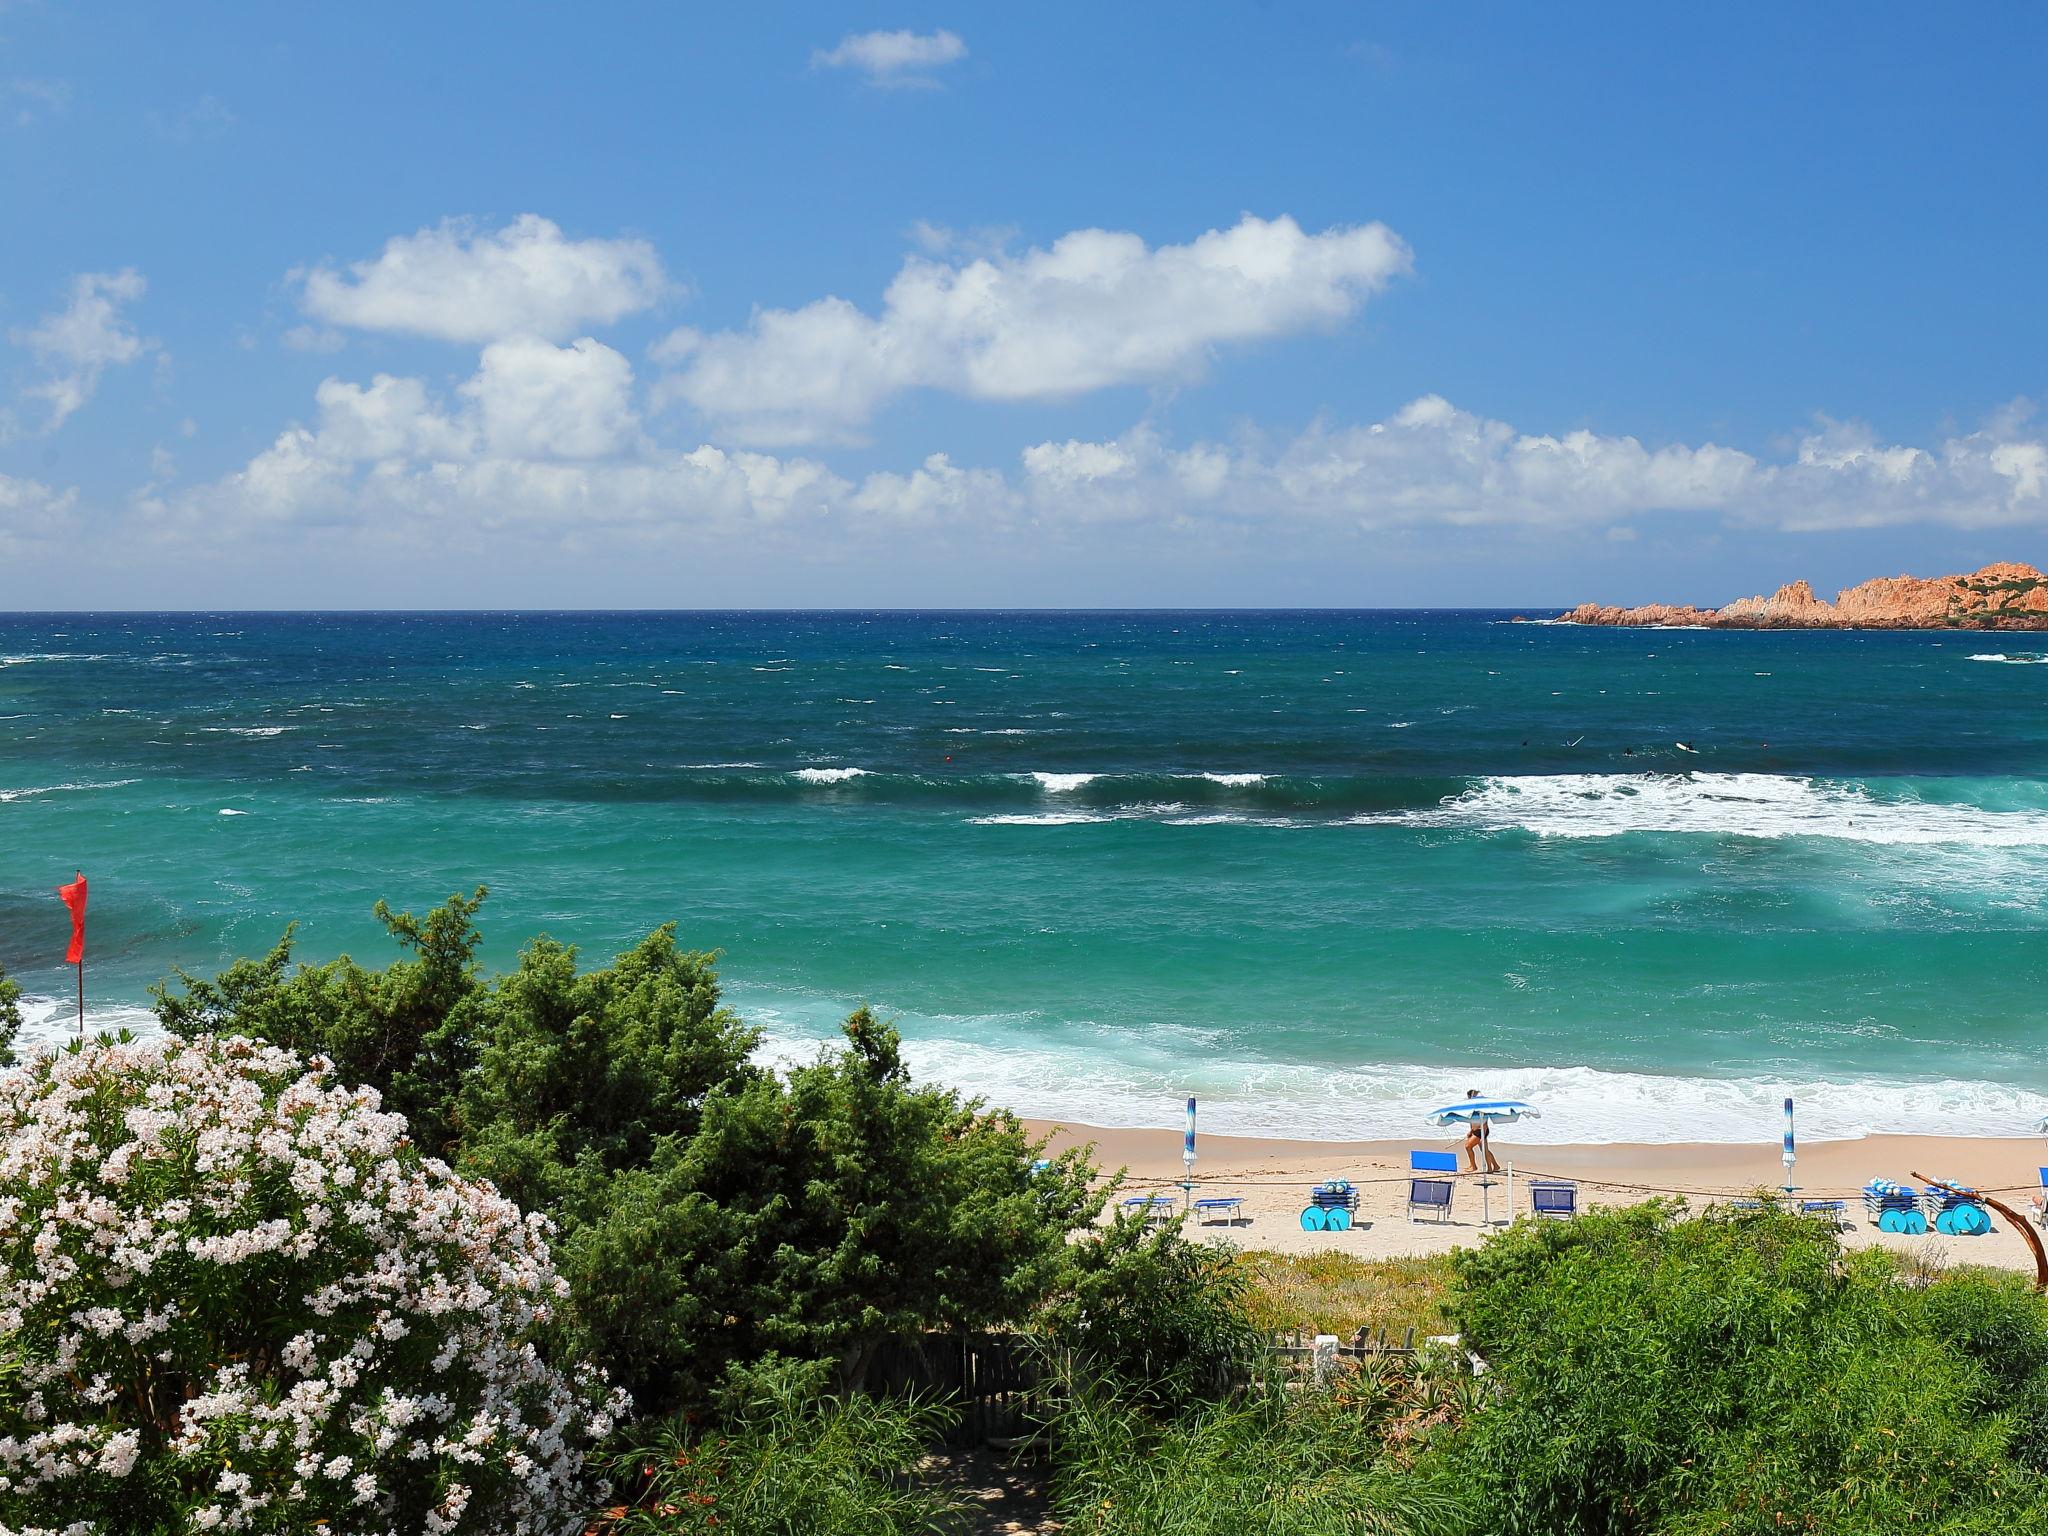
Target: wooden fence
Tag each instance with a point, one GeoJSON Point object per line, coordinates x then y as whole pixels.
{"type": "Point", "coordinates": [991, 1378]}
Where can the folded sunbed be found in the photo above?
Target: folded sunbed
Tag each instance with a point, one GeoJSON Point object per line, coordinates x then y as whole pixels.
{"type": "Point", "coordinates": [1330, 1207]}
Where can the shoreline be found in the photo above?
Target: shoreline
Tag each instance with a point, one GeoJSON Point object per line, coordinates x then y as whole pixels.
{"type": "Point", "coordinates": [1273, 1176]}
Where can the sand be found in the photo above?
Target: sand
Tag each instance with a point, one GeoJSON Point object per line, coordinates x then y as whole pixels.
{"type": "Point", "coordinates": [1274, 1178]}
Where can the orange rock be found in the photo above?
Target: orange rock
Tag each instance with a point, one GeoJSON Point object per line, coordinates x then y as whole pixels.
{"type": "Point", "coordinates": [2006, 595]}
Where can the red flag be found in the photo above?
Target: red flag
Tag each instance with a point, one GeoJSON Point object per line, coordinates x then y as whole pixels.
{"type": "Point", "coordinates": [74, 898]}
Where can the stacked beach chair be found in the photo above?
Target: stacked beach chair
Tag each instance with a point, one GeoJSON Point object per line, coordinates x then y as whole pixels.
{"type": "Point", "coordinates": [1330, 1207]}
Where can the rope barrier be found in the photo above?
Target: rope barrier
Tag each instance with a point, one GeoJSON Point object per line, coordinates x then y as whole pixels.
{"type": "Point", "coordinates": [1738, 1192]}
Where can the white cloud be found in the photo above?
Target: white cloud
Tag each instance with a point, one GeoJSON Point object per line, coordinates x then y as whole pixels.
{"type": "Point", "coordinates": [457, 283]}
{"type": "Point", "coordinates": [1097, 308]}
{"type": "Point", "coordinates": [33, 513]}
{"type": "Point", "coordinates": [84, 339]}
{"type": "Point", "coordinates": [893, 58]}
{"type": "Point", "coordinates": [535, 401]}
{"type": "Point", "coordinates": [26, 100]}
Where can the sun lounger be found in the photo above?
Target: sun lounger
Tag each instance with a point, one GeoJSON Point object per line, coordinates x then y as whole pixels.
{"type": "Point", "coordinates": [2040, 1202]}
{"type": "Point", "coordinates": [1157, 1209]}
{"type": "Point", "coordinates": [1431, 1194]}
{"type": "Point", "coordinates": [1554, 1197]}
{"type": "Point", "coordinates": [1836, 1211]}
{"type": "Point", "coordinates": [1893, 1207]}
{"type": "Point", "coordinates": [1220, 1208]}
{"type": "Point", "coordinates": [1330, 1207]}
{"type": "Point", "coordinates": [1955, 1210]}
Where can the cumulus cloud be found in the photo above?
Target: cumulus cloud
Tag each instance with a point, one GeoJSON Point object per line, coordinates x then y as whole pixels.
{"type": "Point", "coordinates": [893, 58]}
{"type": "Point", "coordinates": [1096, 308]}
{"type": "Point", "coordinates": [455, 282]}
{"type": "Point", "coordinates": [546, 439]}
{"type": "Point", "coordinates": [33, 513]}
{"type": "Point", "coordinates": [76, 345]}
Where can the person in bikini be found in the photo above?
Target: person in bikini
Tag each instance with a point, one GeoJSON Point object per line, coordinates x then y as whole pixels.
{"type": "Point", "coordinates": [1477, 1141]}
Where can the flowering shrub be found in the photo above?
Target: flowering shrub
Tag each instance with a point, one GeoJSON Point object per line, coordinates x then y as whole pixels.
{"type": "Point", "coordinates": [234, 1297]}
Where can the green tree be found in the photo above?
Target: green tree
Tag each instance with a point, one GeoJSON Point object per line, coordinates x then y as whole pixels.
{"type": "Point", "coordinates": [10, 1017]}
{"type": "Point", "coordinates": [580, 1075]}
{"type": "Point", "coordinates": [815, 1215]}
{"type": "Point", "coordinates": [402, 1030]}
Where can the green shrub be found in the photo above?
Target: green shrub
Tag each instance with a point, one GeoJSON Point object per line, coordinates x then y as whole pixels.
{"type": "Point", "coordinates": [1735, 1374]}
{"type": "Point", "coordinates": [1150, 1317]}
{"type": "Point", "coordinates": [816, 1215]}
{"type": "Point", "coordinates": [10, 1017]}
{"type": "Point", "coordinates": [1273, 1460]}
{"type": "Point", "coordinates": [789, 1460]}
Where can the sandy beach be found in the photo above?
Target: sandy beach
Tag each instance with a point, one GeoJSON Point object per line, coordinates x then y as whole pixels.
{"type": "Point", "coordinates": [1273, 1177]}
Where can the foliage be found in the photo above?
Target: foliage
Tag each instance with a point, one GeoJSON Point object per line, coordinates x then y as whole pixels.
{"type": "Point", "coordinates": [788, 1460]}
{"type": "Point", "coordinates": [580, 1075]}
{"type": "Point", "coordinates": [1330, 1291]}
{"type": "Point", "coordinates": [10, 1017]}
{"type": "Point", "coordinates": [401, 1030]}
{"type": "Point", "coordinates": [1282, 1462]}
{"type": "Point", "coordinates": [1734, 1373]}
{"type": "Point", "coordinates": [1152, 1317]}
{"type": "Point", "coordinates": [233, 1294]}
{"type": "Point", "coordinates": [815, 1215]}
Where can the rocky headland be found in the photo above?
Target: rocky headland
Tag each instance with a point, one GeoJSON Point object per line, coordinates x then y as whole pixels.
{"type": "Point", "coordinates": [2001, 596]}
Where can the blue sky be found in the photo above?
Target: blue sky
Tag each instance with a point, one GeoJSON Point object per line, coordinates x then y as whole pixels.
{"type": "Point", "coordinates": [675, 306]}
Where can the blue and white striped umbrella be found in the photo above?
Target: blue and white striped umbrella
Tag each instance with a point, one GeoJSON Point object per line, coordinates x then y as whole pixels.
{"type": "Point", "coordinates": [1491, 1111]}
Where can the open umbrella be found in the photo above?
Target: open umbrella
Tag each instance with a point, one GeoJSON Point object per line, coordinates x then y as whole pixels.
{"type": "Point", "coordinates": [1485, 1113]}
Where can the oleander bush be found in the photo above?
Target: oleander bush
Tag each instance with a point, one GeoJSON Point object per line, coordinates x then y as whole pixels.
{"type": "Point", "coordinates": [234, 1296]}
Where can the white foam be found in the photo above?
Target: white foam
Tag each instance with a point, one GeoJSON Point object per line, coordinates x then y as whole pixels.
{"type": "Point", "coordinates": [2029, 659]}
{"type": "Point", "coordinates": [1064, 783]}
{"type": "Point", "coordinates": [48, 1022]}
{"type": "Point", "coordinates": [828, 775]}
{"type": "Point", "coordinates": [1235, 780]}
{"type": "Point", "coordinates": [1721, 804]}
{"type": "Point", "coordinates": [61, 789]}
{"type": "Point", "coordinates": [1113, 1077]}
{"type": "Point", "coordinates": [1043, 819]}
{"type": "Point", "coordinates": [247, 730]}
{"type": "Point", "coordinates": [227, 811]}
{"type": "Point", "coordinates": [24, 660]}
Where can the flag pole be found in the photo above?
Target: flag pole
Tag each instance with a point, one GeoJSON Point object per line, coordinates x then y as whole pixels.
{"type": "Point", "coordinates": [81, 997]}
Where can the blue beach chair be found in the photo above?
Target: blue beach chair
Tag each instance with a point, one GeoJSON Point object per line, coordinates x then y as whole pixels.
{"type": "Point", "coordinates": [1956, 1210]}
{"type": "Point", "coordinates": [1554, 1197]}
{"type": "Point", "coordinates": [1156, 1209]}
{"type": "Point", "coordinates": [1836, 1211]}
{"type": "Point", "coordinates": [1224, 1208]}
{"type": "Point", "coordinates": [1431, 1194]}
{"type": "Point", "coordinates": [1893, 1207]}
{"type": "Point", "coordinates": [1330, 1207]}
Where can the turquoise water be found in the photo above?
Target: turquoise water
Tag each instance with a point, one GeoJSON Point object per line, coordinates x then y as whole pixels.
{"type": "Point", "coordinates": [1322, 869]}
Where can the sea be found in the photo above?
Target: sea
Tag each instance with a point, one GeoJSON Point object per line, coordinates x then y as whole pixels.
{"type": "Point", "coordinates": [1322, 870]}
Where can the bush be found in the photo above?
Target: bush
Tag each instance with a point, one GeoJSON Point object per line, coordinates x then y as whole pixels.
{"type": "Point", "coordinates": [816, 1215]}
{"type": "Point", "coordinates": [1735, 1374]}
{"type": "Point", "coordinates": [10, 1017]}
{"type": "Point", "coordinates": [1277, 1461]}
{"type": "Point", "coordinates": [234, 1296]}
{"type": "Point", "coordinates": [789, 1460]}
{"type": "Point", "coordinates": [1152, 1318]}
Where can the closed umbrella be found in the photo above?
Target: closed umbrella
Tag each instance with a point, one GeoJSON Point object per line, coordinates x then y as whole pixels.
{"type": "Point", "coordinates": [1485, 1113]}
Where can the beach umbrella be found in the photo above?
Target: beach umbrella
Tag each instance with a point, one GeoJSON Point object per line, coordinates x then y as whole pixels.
{"type": "Point", "coordinates": [1187, 1152]}
{"type": "Point", "coordinates": [1485, 1113]}
{"type": "Point", "coordinates": [1791, 1153]}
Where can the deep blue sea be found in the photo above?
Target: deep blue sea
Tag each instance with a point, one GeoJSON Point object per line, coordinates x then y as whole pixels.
{"type": "Point", "coordinates": [1322, 869]}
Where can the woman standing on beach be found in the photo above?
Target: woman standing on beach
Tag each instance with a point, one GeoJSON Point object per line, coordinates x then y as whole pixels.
{"type": "Point", "coordinates": [1477, 1140]}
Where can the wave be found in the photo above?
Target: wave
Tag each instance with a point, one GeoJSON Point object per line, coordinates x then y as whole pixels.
{"type": "Point", "coordinates": [1721, 804]}
{"type": "Point", "coordinates": [827, 775]}
{"type": "Point", "coordinates": [1061, 783]}
{"type": "Point", "coordinates": [24, 660]}
{"type": "Point", "coordinates": [62, 789]}
{"type": "Point", "coordinates": [1121, 1078]}
{"type": "Point", "coordinates": [2024, 659]}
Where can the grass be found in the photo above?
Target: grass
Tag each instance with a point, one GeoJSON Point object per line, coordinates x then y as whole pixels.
{"type": "Point", "coordinates": [1340, 1293]}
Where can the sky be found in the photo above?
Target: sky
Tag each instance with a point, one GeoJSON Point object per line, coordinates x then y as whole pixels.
{"type": "Point", "coordinates": [663, 306]}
